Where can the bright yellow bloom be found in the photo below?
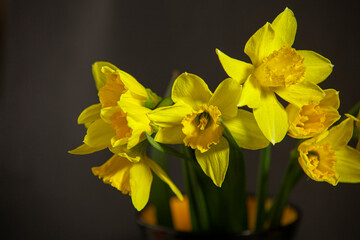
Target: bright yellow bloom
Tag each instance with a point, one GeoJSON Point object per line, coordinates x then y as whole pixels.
{"type": "Point", "coordinates": [194, 120]}
{"type": "Point", "coordinates": [277, 68]}
{"type": "Point", "coordinates": [313, 119]}
{"type": "Point", "coordinates": [133, 178]}
{"type": "Point", "coordinates": [120, 117]}
{"type": "Point", "coordinates": [118, 122]}
{"type": "Point", "coordinates": [328, 158]}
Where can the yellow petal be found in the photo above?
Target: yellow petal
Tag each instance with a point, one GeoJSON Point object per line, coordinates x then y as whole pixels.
{"type": "Point", "coordinates": [318, 68]}
{"type": "Point", "coordinates": [285, 25]}
{"type": "Point", "coordinates": [115, 172]}
{"type": "Point", "coordinates": [99, 134]}
{"type": "Point", "coordinates": [293, 112]}
{"type": "Point", "coordinates": [262, 44]}
{"type": "Point", "coordinates": [348, 164]}
{"type": "Point", "coordinates": [215, 161]}
{"type": "Point", "coordinates": [236, 69]}
{"type": "Point", "coordinates": [99, 77]}
{"type": "Point", "coordinates": [132, 85]}
{"type": "Point", "coordinates": [271, 117]}
{"type": "Point", "coordinates": [136, 117]}
{"type": "Point", "coordinates": [164, 177]}
{"type": "Point", "coordinates": [108, 112]}
{"type": "Point", "coordinates": [140, 184]}
{"type": "Point", "coordinates": [190, 89]}
{"type": "Point", "coordinates": [341, 134]}
{"type": "Point", "coordinates": [132, 155]}
{"type": "Point", "coordinates": [318, 161]}
{"type": "Point", "coordinates": [245, 131]}
{"type": "Point", "coordinates": [169, 116]}
{"type": "Point", "coordinates": [85, 149]}
{"type": "Point", "coordinates": [331, 99]}
{"type": "Point", "coordinates": [251, 93]}
{"type": "Point", "coordinates": [170, 135]}
{"type": "Point", "coordinates": [90, 114]}
{"type": "Point", "coordinates": [303, 93]}
{"type": "Point", "coordinates": [227, 105]}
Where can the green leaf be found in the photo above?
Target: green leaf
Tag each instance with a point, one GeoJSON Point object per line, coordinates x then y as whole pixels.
{"type": "Point", "coordinates": [292, 175]}
{"type": "Point", "coordinates": [164, 148]}
{"type": "Point", "coordinates": [200, 219]}
{"type": "Point", "coordinates": [234, 186]}
{"type": "Point", "coordinates": [160, 193]}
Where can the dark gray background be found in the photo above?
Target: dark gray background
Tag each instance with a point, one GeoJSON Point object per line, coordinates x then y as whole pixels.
{"type": "Point", "coordinates": [46, 81]}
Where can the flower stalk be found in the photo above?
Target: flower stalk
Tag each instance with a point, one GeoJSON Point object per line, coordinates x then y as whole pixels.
{"type": "Point", "coordinates": [292, 175]}
{"type": "Point", "coordinates": [262, 187]}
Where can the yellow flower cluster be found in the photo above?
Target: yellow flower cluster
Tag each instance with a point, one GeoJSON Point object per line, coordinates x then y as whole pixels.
{"type": "Point", "coordinates": [198, 117]}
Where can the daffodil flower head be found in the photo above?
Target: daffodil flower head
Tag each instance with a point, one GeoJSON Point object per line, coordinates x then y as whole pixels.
{"type": "Point", "coordinates": [282, 68]}
{"type": "Point", "coordinates": [202, 128]}
{"type": "Point", "coordinates": [313, 119]}
{"type": "Point", "coordinates": [279, 69]}
{"type": "Point", "coordinates": [130, 171]}
{"type": "Point", "coordinates": [133, 178]}
{"type": "Point", "coordinates": [120, 117]}
{"type": "Point", "coordinates": [194, 120]}
{"type": "Point", "coordinates": [327, 157]}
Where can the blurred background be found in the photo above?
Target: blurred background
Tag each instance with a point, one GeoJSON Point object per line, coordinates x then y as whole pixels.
{"type": "Point", "coordinates": [47, 49]}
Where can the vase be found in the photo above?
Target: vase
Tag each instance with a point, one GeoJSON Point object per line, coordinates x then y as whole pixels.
{"type": "Point", "coordinates": [182, 225]}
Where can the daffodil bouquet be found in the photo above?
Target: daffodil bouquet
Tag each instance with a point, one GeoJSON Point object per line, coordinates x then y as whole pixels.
{"type": "Point", "coordinates": [211, 129]}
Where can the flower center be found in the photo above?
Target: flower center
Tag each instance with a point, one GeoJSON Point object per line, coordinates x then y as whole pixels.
{"type": "Point", "coordinates": [202, 128]}
{"type": "Point", "coordinates": [282, 68]}
{"type": "Point", "coordinates": [311, 119]}
{"type": "Point", "coordinates": [321, 162]}
{"type": "Point", "coordinates": [203, 118]}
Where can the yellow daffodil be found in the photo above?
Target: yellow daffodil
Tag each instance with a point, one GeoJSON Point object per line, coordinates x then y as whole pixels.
{"type": "Point", "coordinates": [133, 178]}
{"type": "Point", "coordinates": [120, 117]}
{"type": "Point", "coordinates": [194, 120]}
{"type": "Point", "coordinates": [327, 157]}
{"type": "Point", "coordinates": [313, 119]}
{"type": "Point", "coordinates": [277, 68]}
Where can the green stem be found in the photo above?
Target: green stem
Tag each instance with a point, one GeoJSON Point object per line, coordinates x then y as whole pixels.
{"type": "Point", "coordinates": [198, 205]}
{"type": "Point", "coordinates": [160, 194]}
{"type": "Point", "coordinates": [355, 109]}
{"type": "Point", "coordinates": [237, 179]}
{"type": "Point", "coordinates": [164, 148]}
{"type": "Point", "coordinates": [262, 187]}
{"type": "Point", "coordinates": [292, 176]}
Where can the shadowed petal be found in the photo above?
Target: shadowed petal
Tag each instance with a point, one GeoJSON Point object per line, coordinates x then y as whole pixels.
{"type": "Point", "coordinates": [215, 161]}
{"type": "Point", "coordinates": [348, 164]}
{"type": "Point", "coordinates": [251, 94]}
{"type": "Point", "coordinates": [140, 184]}
{"type": "Point", "coordinates": [90, 114]}
{"type": "Point", "coordinates": [99, 134]}
{"type": "Point", "coordinates": [245, 131]}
